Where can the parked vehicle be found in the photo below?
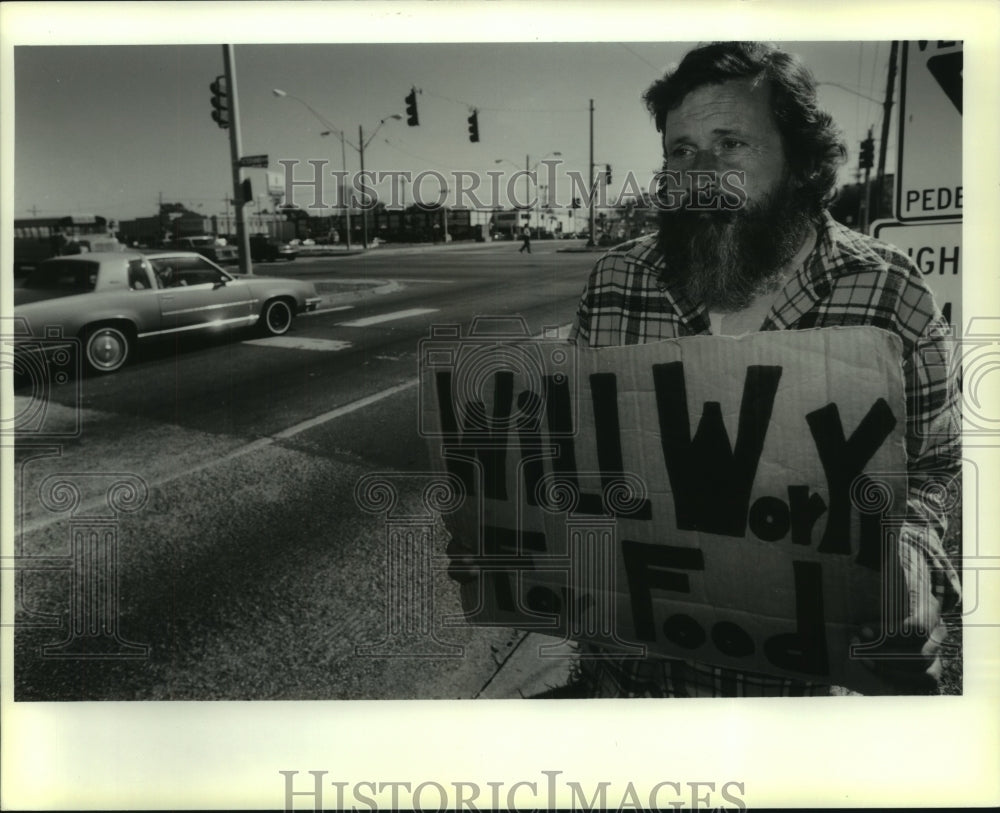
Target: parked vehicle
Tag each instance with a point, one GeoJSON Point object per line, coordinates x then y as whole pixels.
{"type": "Point", "coordinates": [111, 301]}
{"type": "Point", "coordinates": [38, 238]}
{"type": "Point", "coordinates": [264, 250]}
{"type": "Point", "coordinates": [208, 247]}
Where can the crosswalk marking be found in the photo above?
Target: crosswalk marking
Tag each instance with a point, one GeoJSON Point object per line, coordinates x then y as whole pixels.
{"type": "Point", "coordinates": [300, 343]}
{"type": "Point", "coordinates": [328, 310]}
{"type": "Point", "coordinates": [386, 317]}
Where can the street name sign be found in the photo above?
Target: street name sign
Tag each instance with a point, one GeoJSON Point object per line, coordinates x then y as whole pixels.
{"type": "Point", "coordinates": [254, 161]}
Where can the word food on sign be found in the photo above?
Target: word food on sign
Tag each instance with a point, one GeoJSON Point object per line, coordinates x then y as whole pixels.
{"type": "Point", "coordinates": [700, 495]}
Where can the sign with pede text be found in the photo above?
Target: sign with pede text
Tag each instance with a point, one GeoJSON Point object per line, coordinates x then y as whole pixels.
{"type": "Point", "coordinates": [716, 499]}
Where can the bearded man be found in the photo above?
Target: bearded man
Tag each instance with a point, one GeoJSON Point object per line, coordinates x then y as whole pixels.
{"type": "Point", "coordinates": [776, 261]}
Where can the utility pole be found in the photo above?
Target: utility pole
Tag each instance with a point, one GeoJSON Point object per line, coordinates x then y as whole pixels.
{"type": "Point", "coordinates": [527, 192]}
{"type": "Point", "coordinates": [866, 163]}
{"type": "Point", "coordinates": [886, 111]}
{"type": "Point", "coordinates": [590, 239]}
{"type": "Point", "coordinates": [343, 192]}
{"type": "Point", "coordinates": [235, 148]}
{"type": "Point", "coordinates": [364, 214]}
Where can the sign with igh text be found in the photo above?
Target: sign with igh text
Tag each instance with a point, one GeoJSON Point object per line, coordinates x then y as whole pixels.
{"type": "Point", "coordinates": [936, 250]}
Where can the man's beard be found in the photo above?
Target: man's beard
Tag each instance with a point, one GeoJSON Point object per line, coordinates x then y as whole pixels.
{"type": "Point", "coordinates": [726, 259]}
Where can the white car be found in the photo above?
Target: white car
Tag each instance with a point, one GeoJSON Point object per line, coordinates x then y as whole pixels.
{"type": "Point", "coordinates": [110, 301]}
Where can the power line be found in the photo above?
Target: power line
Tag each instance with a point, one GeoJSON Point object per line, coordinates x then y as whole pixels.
{"type": "Point", "coordinates": [429, 161]}
{"type": "Point", "coordinates": [641, 58]}
{"type": "Point", "coordinates": [470, 105]}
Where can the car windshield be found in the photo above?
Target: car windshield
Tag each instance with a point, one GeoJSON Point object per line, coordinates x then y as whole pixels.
{"type": "Point", "coordinates": [71, 276]}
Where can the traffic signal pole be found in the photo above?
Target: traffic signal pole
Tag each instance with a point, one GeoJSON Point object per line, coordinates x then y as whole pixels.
{"type": "Point", "coordinates": [886, 118]}
{"type": "Point", "coordinates": [235, 149]}
{"type": "Point", "coordinates": [867, 148]}
{"type": "Point", "coordinates": [593, 180]}
{"type": "Point", "coordinates": [364, 211]}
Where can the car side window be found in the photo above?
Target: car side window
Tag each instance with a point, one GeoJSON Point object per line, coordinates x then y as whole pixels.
{"type": "Point", "coordinates": [163, 270]}
{"type": "Point", "coordinates": [138, 278]}
{"type": "Point", "coordinates": [196, 271]}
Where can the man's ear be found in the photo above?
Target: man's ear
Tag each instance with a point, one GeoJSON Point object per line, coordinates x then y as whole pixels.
{"type": "Point", "coordinates": [803, 176]}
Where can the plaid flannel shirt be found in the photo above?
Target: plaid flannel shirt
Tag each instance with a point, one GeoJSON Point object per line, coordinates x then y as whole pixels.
{"type": "Point", "coordinates": [847, 279]}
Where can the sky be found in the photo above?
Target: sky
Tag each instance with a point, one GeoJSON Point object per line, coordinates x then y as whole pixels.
{"type": "Point", "coordinates": [114, 129]}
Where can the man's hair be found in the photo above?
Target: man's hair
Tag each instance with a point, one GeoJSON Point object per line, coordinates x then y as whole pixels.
{"type": "Point", "coordinates": [814, 146]}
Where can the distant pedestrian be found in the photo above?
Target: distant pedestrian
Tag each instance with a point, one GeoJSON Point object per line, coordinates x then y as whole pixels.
{"type": "Point", "coordinates": [525, 240]}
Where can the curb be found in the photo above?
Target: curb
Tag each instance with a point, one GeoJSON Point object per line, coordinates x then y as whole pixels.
{"type": "Point", "coordinates": [373, 287]}
{"type": "Point", "coordinates": [333, 253]}
{"type": "Point", "coordinates": [527, 672]}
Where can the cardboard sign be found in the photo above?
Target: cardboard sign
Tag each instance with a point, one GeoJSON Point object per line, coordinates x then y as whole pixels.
{"type": "Point", "coordinates": [709, 498]}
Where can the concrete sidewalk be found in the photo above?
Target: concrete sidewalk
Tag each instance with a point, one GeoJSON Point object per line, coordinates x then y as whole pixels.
{"type": "Point", "coordinates": [334, 251]}
{"type": "Point", "coordinates": [526, 669]}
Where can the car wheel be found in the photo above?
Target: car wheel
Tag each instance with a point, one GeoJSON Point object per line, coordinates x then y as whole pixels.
{"type": "Point", "coordinates": [277, 317]}
{"type": "Point", "coordinates": [107, 349]}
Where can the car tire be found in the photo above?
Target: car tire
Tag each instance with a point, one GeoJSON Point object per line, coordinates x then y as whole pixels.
{"type": "Point", "coordinates": [276, 318]}
{"type": "Point", "coordinates": [106, 348]}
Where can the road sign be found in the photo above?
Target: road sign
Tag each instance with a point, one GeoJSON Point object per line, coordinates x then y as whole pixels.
{"type": "Point", "coordinates": [257, 161]}
{"type": "Point", "coordinates": [936, 249]}
{"type": "Point", "coordinates": [929, 169]}
{"type": "Point", "coordinates": [275, 183]}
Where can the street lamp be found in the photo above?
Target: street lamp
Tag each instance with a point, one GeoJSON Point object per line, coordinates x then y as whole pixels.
{"type": "Point", "coordinates": [528, 169]}
{"type": "Point", "coordinates": [361, 151]}
{"type": "Point", "coordinates": [360, 148]}
{"type": "Point", "coordinates": [344, 207]}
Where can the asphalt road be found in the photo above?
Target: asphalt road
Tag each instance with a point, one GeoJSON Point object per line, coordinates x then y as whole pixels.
{"type": "Point", "coordinates": [245, 566]}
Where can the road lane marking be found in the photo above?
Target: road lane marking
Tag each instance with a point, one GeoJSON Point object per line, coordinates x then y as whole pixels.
{"type": "Point", "coordinates": [387, 317]}
{"type": "Point", "coordinates": [260, 444]}
{"type": "Point", "coordinates": [300, 343]}
{"type": "Point", "coordinates": [87, 506]}
{"type": "Point", "coordinates": [347, 409]}
{"type": "Point", "coordinates": [328, 310]}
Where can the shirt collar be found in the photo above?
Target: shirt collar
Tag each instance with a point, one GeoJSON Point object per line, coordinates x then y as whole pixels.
{"type": "Point", "coordinates": [837, 247]}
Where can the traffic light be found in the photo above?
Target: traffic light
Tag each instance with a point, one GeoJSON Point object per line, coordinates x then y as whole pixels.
{"type": "Point", "coordinates": [474, 126]}
{"type": "Point", "coordinates": [867, 153]}
{"type": "Point", "coordinates": [220, 102]}
{"type": "Point", "coordinates": [412, 118]}
{"type": "Point", "coordinates": [247, 190]}
{"type": "Point", "coordinates": [607, 173]}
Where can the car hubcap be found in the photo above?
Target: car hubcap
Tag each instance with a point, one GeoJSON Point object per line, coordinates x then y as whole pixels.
{"type": "Point", "coordinates": [278, 317]}
{"type": "Point", "coordinates": [107, 350]}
